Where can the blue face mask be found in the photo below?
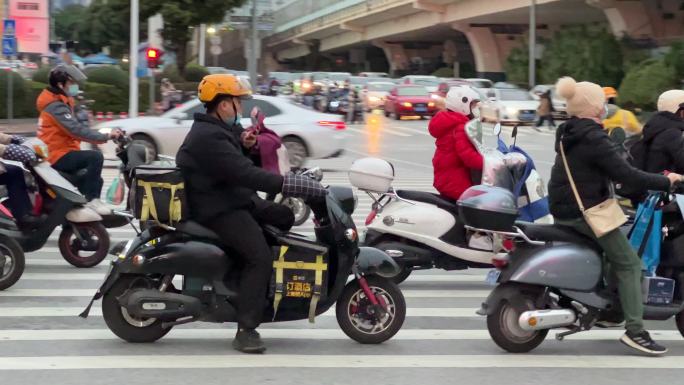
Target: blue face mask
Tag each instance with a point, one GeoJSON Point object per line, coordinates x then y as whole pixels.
{"type": "Point", "coordinates": [238, 117]}
{"type": "Point", "coordinates": [73, 90]}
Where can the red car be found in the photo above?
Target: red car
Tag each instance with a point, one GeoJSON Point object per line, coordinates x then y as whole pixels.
{"type": "Point", "coordinates": [407, 100]}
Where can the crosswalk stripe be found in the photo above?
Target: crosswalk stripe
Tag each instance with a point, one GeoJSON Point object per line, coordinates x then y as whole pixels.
{"type": "Point", "coordinates": [46, 311]}
{"type": "Point", "coordinates": [383, 130]}
{"type": "Point", "coordinates": [355, 361]}
{"type": "Point", "coordinates": [312, 334]}
{"type": "Point", "coordinates": [40, 293]}
{"type": "Point", "coordinates": [449, 277]}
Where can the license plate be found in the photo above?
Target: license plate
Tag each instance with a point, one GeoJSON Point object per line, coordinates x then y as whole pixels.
{"type": "Point", "coordinates": [334, 104]}
{"type": "Point", "coordinates": [526, 117]}
{"type": "Point", "coordinates": [493, 276]}
{"type": "Point", "coordinates": [420, 109]}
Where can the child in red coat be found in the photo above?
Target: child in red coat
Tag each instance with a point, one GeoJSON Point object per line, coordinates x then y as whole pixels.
{"type": "Point", "coordinates": [455, 156]}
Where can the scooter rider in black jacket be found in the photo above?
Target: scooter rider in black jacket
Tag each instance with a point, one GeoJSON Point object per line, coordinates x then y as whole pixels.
{"type": "Point", "coordinates": [221, 183]}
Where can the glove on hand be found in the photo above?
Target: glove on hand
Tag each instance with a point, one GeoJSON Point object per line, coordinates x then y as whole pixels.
{"type": "Point", "coordinates": [299, 186]}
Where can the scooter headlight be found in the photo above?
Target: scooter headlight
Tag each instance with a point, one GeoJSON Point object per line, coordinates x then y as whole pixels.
{"type": "Point", "coordinates": [351, 235]}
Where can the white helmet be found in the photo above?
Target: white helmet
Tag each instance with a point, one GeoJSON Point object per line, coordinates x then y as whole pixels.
{"type": "Point", "coordinates": [671, 101]}
{"type": "Point", "coordinates": [461, 98]}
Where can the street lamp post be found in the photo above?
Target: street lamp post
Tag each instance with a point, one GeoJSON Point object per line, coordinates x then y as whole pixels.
{"type": "Point", "coordinates": [133, 61]}
{"type": "Point", "coordinates": [202, 44]}
{"type": "Point", "coordinates": [533, 45]}
{"type": "Point", "coordinates": [252, 60]}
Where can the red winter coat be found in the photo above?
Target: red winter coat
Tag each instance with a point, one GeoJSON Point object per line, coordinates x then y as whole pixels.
{"type": "Point", "coordinates": [455, 156]}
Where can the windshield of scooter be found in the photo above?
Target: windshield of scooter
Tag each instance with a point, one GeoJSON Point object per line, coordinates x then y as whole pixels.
{"type": "Point", "coordinates": [498, 169]}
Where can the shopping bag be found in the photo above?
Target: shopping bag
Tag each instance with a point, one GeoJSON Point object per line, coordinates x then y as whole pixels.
{"type": "Point", "coordinates": [646, 234]}
{"type": "Point", "coordinates": [115, 192]}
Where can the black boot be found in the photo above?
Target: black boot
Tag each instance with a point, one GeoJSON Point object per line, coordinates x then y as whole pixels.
{"type": "Point", "coordinates": [248, 341]}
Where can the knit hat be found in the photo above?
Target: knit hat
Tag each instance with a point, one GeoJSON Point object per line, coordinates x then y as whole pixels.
{"type": "Point", "coordinates": [585, 99]}
{"type": "Point", "coordinates": [671, 101]}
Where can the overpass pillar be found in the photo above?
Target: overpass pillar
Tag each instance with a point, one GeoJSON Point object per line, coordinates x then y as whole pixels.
{"type": "Point", "coordinates": [486, 52]}
{"type": "Point", "coordinates": [396, 55]}
{"type": "Point", "coordinates": [626, 17]}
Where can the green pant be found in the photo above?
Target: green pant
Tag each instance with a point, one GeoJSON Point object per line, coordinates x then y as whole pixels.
{"type": "Point", "coordinates": [625, 267]}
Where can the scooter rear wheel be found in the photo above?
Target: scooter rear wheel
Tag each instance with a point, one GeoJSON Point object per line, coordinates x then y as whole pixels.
{"type": "Point", "coordinates": [71, 248]}
{"type": "Point", "coordinates": [11, 262]}
{"type": "Point", "coordinates": [504, 329]}
{"type": "Point", "coordinates": [124, 325]}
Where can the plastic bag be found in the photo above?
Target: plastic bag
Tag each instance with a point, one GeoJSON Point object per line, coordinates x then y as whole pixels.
{"type": "Point", "coordinates": [646, 234]}
{"type": "Point", "coordinates": [115, 192]}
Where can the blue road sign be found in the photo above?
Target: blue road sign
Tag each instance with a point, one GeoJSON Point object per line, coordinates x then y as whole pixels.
{"type": "Point", "coordinates": [9, 27]}
{"type": "Point", "coordinates": [9, 46]}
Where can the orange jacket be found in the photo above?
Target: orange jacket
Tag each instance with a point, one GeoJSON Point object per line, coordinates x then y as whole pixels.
{"type": "Point", "coordinates": [60, 130]}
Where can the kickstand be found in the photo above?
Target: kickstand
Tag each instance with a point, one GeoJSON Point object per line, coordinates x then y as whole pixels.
{"type": "Point", "coordinates": [561, 336]}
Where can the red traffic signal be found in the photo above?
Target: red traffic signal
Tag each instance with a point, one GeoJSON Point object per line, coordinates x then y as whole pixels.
{"type": "Point", "coordinates": [153, 55]}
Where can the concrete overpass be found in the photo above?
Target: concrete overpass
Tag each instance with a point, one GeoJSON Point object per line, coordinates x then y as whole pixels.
{"type": "Point", "coordinates": [407, 33]}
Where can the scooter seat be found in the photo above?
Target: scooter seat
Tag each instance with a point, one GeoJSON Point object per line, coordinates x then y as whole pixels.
{"type": "Point", "coordinates": [556, 233]}
{"type": "Point", "coordinates": [196, 230]}
{"type": "Point", "coordinates": [429, 198]}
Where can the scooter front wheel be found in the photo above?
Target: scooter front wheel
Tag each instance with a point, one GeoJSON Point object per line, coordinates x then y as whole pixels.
{"type": "Point", "coordinates": [11, 262]}
{"type": "Point", "coordinates": [87, 248]}
{"type": "Point", "coordinates": [299, 208]}
{"type": "Point", "coordinates": [367, 323]}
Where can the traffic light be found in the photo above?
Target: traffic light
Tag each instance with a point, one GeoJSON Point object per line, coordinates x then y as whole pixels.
{"type": "Point", "coordinates": [153, 55]}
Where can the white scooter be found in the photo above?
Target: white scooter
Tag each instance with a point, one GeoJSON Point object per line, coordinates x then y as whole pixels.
{"type": "Point", "coordinates": [422, 230]}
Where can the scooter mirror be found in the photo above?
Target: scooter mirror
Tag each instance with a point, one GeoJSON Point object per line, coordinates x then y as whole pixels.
{"type": "Point", "coordinates": [497, 129]}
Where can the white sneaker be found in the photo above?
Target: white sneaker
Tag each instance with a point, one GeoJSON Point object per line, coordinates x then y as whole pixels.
{"type": "Point", "coordinates": [99, 207]}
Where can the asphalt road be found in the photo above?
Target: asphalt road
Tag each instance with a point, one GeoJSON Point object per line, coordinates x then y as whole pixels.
{"type": "Point", "coordinates": [42, 341]}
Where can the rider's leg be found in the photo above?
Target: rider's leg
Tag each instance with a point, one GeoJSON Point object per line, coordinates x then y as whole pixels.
{"type": "Point", "coordinates": [91, 183]}
{"type": "Point", "coordinates": [19, 202]}
{"type": "Point", "coordinates": [241, 232]}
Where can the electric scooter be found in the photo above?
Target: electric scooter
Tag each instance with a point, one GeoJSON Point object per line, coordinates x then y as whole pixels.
{"type": "Point", "coordinates": [422, 230]}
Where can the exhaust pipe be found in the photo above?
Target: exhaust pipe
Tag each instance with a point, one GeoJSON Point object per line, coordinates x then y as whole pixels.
{"type": "Point", "coordinates": [546, 319]}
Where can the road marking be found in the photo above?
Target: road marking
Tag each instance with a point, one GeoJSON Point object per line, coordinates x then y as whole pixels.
{"type": "Point", "coordinates": [456, 278]}
{"type": "Point", "coordinates": [312, 334]}
{"type": "Point", "coordinates": [412, 130]}
{"type": "Point", "coordinates": [384, 130]}
{"type": "Point", "coordinates": [43, 293]}
{"type": "Point", "coordinates": [392, 159]}
{"type": "Point", "coordinates": [45, 311]}
{"type": "Point", "coordinates": [236, 360]}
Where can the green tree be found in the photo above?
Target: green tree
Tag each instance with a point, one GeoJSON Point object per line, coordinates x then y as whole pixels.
{"type": "Point", "coordinates": [675, 59]}
{"type": "Point", "coordinates": [180, 15]}
{"type": "Point", "coordinates": [69, 22]}
{"type": "Point", "coordinates": [585, 53]}
{"type": "Point", "coordinates": [516, 65]}
{"type": "Point", "coordinates": [643, 83]}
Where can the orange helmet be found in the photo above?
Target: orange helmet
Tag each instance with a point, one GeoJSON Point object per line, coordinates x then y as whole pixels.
{"type": "Point", "coordinates": [212, 86]}
{"type": "Point", "coordinates": [610, 92]}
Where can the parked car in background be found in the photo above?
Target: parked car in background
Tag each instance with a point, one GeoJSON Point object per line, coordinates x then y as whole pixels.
{"type": "Point", "coordinates": [480, 83]}
{"type": "Point", "coordinates": [559, 105]}
{"type": "Point", "coordinates": [374, 74]}
{"type": "Point", "coordinates": [444, 87]}
{"type": "Point", "coordinates": [409, 100]}
{"type": "Point", "coordinates": [428, 81]}
{"type": "Point", "coordinates": [509, 106]}
{"type": "Point", "coordinates": [375, 93]}
{"type": "Point", "coordinates": [217, 70]}
{"type": "Point", "coordinates": [307, 134]}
